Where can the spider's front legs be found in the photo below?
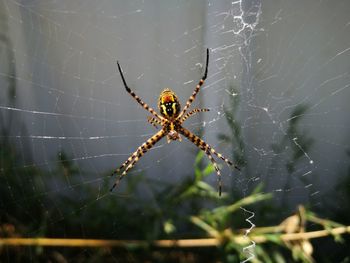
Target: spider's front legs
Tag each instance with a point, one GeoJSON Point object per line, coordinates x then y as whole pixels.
{"type": "Point", "coordinates": [196, 90]}
{"type": "Point", "coordinates": [132, 160]}
{"type": "Point", "coordinates": [143, 104]}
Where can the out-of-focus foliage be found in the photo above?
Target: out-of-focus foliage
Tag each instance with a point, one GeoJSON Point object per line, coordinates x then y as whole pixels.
{"type": "Point", "coordinates": [191, 209]}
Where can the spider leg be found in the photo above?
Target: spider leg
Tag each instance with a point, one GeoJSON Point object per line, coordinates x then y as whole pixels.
{"type": "Point", "coordinates": [207, 149]}
{"type": "Point", "coordinates": [137, 98]}
{"type": "Point", "coordinates": [216, 169]}
{"type": "Point", "coordinates": [204, 146]}
{"type": "Point", "coordinates": [224, 159]}
{"type": "Point", "coordinates": [125, 163]}
{"type": "Point", "coordinates": [154, 121]}
{"type": "Point", "coordinates": [137, 153]}
{"type": "Point", "coordinates": [141, 150]}
{"type": "Point", "coordinates": [196, 90]}
{"type": "Point", "coordinates": [130, 159]}
{"type": "Point", "coordinates": [192, 112]}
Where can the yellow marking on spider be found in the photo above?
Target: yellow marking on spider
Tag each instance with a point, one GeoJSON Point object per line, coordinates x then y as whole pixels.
{"type": "Point", "coordinates": [174, 108]}
{"type": "Point", "coordinates": [164, 110]}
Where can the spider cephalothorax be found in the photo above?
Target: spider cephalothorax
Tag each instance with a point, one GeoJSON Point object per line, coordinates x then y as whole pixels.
{"type": "Point", "coordinates": [171, 120]}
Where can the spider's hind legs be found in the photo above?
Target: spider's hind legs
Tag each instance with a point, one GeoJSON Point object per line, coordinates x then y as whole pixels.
{"type": "Point", "coordinates": [112, 188]}
{"type": "Point", "coordinates": [117, 181]}
{"type": "Point", "coordinates": [115, 172]}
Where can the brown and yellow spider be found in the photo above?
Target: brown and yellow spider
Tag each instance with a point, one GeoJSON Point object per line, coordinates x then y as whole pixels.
{"type": "Point", "coordinates": [171, 122]}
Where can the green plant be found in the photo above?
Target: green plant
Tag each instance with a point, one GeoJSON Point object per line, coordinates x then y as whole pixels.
{"type": "Point", "coordinates": [235, 138]}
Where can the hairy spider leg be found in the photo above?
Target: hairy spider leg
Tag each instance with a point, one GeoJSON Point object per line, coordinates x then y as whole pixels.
{"type": "Point", "coordinates": [227, 161]}
{"type": "Point", "coordinates": [130, 159]}
{"type": "Point", "coordinates": [191, 113]}
{"type": "Point", "coordinates": [216, 169]}
{"type": "Point", "coordinates": [199, 142]}
{"type": "Point", "coordinates": [141, 150]}
{"type": "Point", "coordinates": [196, 90]}
{"type": "Point", "coordinates": [137, 98]}
{"type": "Point", "coordinates": [204, 147]}
{"type": "Point", "coordinates": [125, 163]}
{"type": "Point", "coordinates": [154, 121]}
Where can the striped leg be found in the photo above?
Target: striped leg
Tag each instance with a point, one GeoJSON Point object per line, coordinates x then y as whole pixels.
{"type": "Point", "coordinates": [204, 146]}
{"type": "Point", "coordinates": [224, 159]}
{"type": "Point", "coordinates": [207, 149]}
{"type": "Point", "coordinates": [131, 161]}
{"type": "Point", "coordinates": [144, 105]}
{"type": "Point", "coordinates": [125, 163]}
{"type": "Point", "coordinates": [154, 121]}
{"type": "Point", "coordinates": [192, 112]}
{"type": "Point", "coordinates": [194, 94]}
{"type": "Point", "coordinates": [217, 170]}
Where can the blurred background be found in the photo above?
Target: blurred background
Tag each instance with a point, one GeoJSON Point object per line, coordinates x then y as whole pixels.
{"type": "Point", "coordinates": [278, 89]}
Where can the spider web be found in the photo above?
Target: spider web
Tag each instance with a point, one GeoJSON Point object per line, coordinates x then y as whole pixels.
{"type": "Point", "coordinates": [280, 67]}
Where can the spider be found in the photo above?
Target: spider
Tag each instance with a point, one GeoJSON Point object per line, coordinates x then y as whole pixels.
{"type": "Point", "coordinates": [170, 120]}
